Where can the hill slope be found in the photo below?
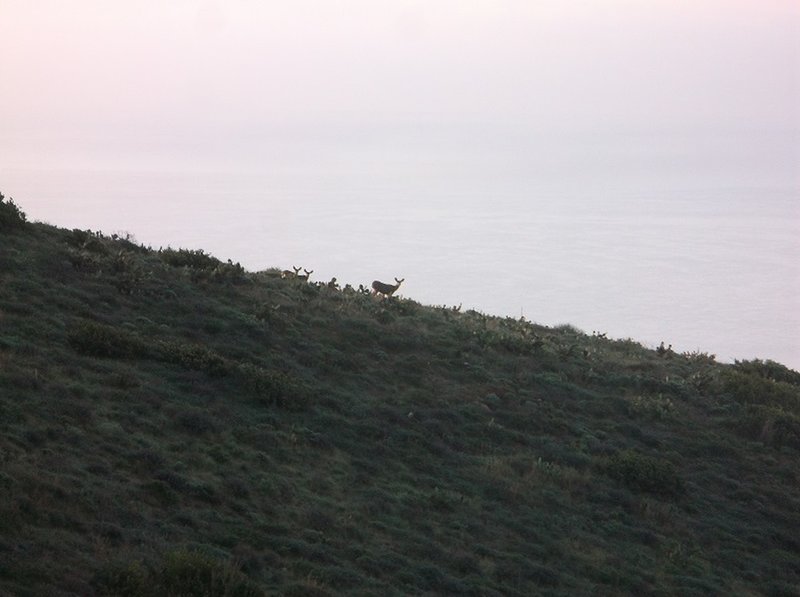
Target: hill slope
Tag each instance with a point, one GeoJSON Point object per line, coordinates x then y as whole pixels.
{"type": "Point", "coordinates": [173, 424]}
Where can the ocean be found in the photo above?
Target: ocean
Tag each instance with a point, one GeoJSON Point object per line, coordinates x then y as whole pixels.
{"type": "Point", "coordinates": [691, 239]}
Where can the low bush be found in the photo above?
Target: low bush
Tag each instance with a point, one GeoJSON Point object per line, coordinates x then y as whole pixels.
{"type": "Point", "coordinates": [645, 473]}
{"type": "Point", "coordinates": [122, 579]}
{"type": "Point", "coordinates": [99, 340]}
{"type": "Point", "coordinates": [11, 216]}
{"type": "Point", "coordinates": [401, 307]}
{"type": "Point", "coordinates": [83, 260]}
{"type": "Point", "coordinates": [768, 370]}
{"type": "Point", "coordinates": [181, 573]}
{"type": "Point", "coordinates": [196, 422]}
{"type": "Point", "coordinates": [273, 387]}
{"type": "Point", "coordinates": [750, 386]}
{"type": "Point", "coordinates": [229, 273]}
{"type": "Point", "coordinates": [192, 356]}
{"type": "Point", "coordinates": [204, 267]}
{"type": "Point", "coordinates": [159, 493]}
{"type": "Point", "coordinates": [773, 426]}
{"type": "Point", "coordinates": [87, 240]}
{"type": "Point", "coordinates": [270, 387]}
{"type": "Point", "coordinates": [699, 358]}
{"type": "Point", "coordinates": [197, 259]}
{"type": "Point", "coordinates": [384, 316]}
{"type": "Point", "coordinates": [518, 344]}
{"type": "Point", "coordinates": [652, 407]}
{"type": "Point", "coordinates": [185, 572]}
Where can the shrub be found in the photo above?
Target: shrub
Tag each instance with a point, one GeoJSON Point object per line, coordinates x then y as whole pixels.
{"type": "Point", "coordinates": [160, 493]}
{"type": "Point", "coordinates": [401, 307]}
{"type": "Point", "coordinates": [128, 275]}
{"type": "Point", "coordinates": [196, 422]}
{"type": "Point", "coordinates": [750, 386]}
{"type": "Point", "coordinates": [444, 500]}
{"type": "Point", "coordinates": [645, 473]}
{"type": "Point", "coordinates": [204, 266]}
{"type": "Point", "coordinates": [771, 425]}
{"type": "Point", "coordinates": [129, 282]}
{"type": "Point", "coordinates": [185, 572]}
{"type": "Point", "coordinates": [99, 340]}
{"type": "Point", "coordinates": [273, 387]}
{"type": "Point", "coordinates": [198, 259]}
{"type": "Point", "coordinates": [768, 370]}
{"type": "Point", "coordinates": [654, 407]}
{"type": "Point", "coordinates": [181, 573]}
{"type": "Point", "coordinates": [384, 316]}
{"type": "Point", "coordinates": [86, 240]}
{"type": "Point", "coordinates": [229, 273]}
{"type": "Point", "coordinates": [306, 588]}
{"type": "Point", "coordinates": [192, 356]}
{"type": "Point", "coordinates": [123, 579]}
{"type": "Point", "coordinates": [11, 216]}
{"type": "Point", "coordinates": [83, 260]}
{"type": "Point", "coordinates": [697, 357]}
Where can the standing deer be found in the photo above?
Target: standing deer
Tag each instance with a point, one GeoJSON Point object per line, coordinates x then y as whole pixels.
{"type": "Point", "coordinates": [288, 274]}
{"type": "Point", "coordinates": [386, 290]}
{"type": "Point", "coordinates": [304, 276]}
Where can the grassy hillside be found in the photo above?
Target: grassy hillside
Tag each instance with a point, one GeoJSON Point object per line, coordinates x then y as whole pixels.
{"type": "Point", "coordinates": [171, 424]}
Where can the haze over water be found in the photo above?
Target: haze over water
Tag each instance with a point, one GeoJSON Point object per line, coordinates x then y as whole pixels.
{"type": "Point", "coordinates": [623, 173]}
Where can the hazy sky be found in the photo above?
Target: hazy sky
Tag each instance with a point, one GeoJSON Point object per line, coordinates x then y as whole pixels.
{"type": "Point", "coordinates": [151, 67]}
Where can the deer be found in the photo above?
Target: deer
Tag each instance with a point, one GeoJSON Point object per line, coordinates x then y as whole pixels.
{"type": "Point", "coordinates": [387, 290]}
{"type": "Point", "coordinates": [304, 276]}
{"type": "Point", "coordinates": [289, 274]}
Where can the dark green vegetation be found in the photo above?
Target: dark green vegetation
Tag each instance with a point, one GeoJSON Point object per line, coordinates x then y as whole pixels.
{"type": "Point", "coordinates": [174, 425]}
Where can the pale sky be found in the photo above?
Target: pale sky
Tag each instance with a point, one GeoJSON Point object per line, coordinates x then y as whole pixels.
{"type": "Point", "coordinates": [150, 67]}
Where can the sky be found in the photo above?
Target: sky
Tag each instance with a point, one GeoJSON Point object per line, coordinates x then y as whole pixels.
{"type": "Point", "coordinates": [128, 71]}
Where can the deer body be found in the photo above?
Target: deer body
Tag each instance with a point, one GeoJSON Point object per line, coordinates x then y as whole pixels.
{"type": "Point", "coordinates": [386, 290]}
{"type": "Point", "coordinates": [289, 274]}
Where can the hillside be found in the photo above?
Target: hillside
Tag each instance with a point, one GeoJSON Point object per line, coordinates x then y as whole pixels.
{"type": "Point", "coordinates": [172, 424]}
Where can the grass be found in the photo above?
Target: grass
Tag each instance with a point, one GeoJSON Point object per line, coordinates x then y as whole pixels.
{"type": "Point", "coordinates": [170, 422]}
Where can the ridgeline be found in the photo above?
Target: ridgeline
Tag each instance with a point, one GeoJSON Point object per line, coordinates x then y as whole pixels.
{"type": "Point", "coordinates": [172, 424]}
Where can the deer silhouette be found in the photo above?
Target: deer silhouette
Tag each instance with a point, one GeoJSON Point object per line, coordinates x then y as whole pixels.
{"type": "Point", "coordinates": [386, 290]}
{"type": "Point", "coordinates": [290, 274]}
